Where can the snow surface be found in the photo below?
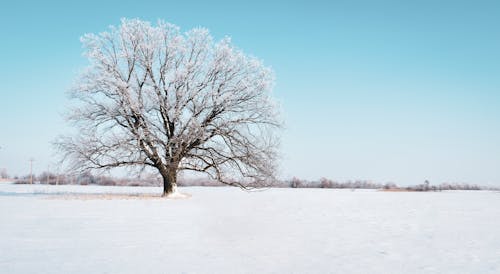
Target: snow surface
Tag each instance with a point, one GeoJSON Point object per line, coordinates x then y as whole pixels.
{"type": "Point", "coordinates": [225, 230]}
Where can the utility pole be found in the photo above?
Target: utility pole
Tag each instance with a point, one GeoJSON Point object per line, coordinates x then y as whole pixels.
{"type": "Point", "coordinates": [31, 170]}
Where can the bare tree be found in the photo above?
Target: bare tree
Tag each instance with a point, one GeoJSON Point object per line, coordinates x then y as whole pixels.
{"type": "Point", "coordinates": [155, 97]}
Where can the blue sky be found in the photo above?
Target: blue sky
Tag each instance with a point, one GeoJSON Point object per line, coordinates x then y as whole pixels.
{"type": "Point", "coordinates": [399, 91]}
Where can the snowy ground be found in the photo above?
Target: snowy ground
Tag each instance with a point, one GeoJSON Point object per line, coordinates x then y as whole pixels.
{"type": "Point", "coordinates": [226, 230]}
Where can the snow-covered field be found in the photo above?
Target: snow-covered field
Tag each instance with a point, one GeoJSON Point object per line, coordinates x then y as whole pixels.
{"type": "Point", "coordinates": [226, 230]}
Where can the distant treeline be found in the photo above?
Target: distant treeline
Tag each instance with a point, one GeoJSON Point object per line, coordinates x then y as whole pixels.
{"type": "Point", "coordinates": [85, 179]}
{"type": "Point", "coordinates": [327, 183]}
{"type": "Point", "coordinates": [363, 184]}
{"type": "Point", "coordinates": [90, 179]}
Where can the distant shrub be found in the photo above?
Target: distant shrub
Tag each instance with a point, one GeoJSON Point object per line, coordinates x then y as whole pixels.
{"type": "Point", "coordinates": [4, 174]}
{"type": "Point", "coordinates": [390, 186]}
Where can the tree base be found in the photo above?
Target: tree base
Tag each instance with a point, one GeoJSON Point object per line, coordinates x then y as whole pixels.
{"type": "Point", "coordinates": [175, 194]}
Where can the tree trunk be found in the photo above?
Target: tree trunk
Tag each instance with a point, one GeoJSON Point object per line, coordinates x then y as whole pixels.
{"type": "Point", "coordinates": [169, 181]}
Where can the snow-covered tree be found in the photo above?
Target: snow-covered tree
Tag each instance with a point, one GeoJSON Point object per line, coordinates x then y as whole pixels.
{"type": "Point", "coordinates": [156, 97]}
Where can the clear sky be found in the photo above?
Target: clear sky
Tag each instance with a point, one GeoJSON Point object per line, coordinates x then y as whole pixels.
{"type": "Point", "coordinates": [389, 91]}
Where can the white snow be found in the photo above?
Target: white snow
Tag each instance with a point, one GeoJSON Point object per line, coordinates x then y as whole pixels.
{"type": "Point", "coordinates": [226, 230]}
